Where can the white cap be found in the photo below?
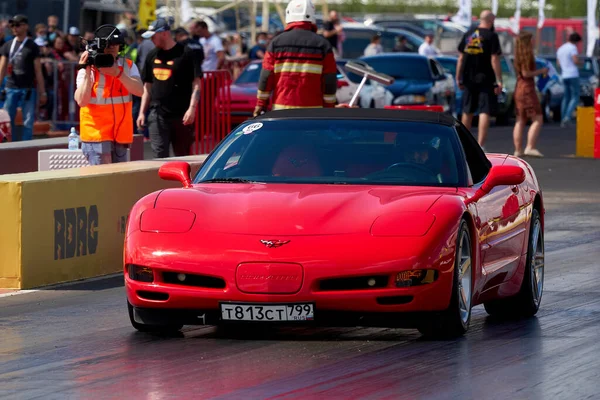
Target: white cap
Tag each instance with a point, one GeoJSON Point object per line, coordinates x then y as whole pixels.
{"type": "Point", "coordinates": [300, 11]}
{"type": "Point", "coordinates": [73, 31]}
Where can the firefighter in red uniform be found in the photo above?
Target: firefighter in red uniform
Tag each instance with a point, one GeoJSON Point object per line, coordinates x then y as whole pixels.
{"type": "Point", "coordinates": [299, 66]}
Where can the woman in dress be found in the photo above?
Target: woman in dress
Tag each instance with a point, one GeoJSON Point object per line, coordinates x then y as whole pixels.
{"type": "Point", "coordinates": [526, 99]}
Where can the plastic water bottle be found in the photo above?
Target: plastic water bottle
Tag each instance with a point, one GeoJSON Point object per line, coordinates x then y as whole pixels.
{"type": "Point", "coordinates": [73, 140]}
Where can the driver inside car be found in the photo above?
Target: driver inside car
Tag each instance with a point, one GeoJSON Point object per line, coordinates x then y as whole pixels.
{"type": "Point", "coordinates": [422, 152]}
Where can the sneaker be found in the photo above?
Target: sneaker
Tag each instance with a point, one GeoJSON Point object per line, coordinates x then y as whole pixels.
{"type": "Point", "coordinates": [533, 153]}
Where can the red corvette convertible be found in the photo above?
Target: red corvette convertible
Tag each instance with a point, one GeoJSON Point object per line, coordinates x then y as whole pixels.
{"type": "Point", "coordinates": [339, 217]}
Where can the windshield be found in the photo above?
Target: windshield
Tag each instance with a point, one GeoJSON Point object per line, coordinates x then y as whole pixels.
{"type": "Point", "coordinates": [250, 74]}
{"type": "Point", "coordinates": [405, 68]}
{"type": "Point", "coordinates": [357, 152]}
{"type": "Point", "coordinates": [449, 65]}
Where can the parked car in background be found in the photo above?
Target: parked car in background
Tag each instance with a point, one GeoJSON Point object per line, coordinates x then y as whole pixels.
{"type": "Point", "coordinates": [446, 36]}
{"type": "Point", "coordinates": [506, 102]}
{"type": "Point", "coordinates": [589, 70]}
{"type": "Point", "coordinates": [373, 94]}
{"type": "Point", "coordinates": [551, 91]}
{"type": "Point", "coordinates": [418, 80]}
{"type": "Point", "coordinates": [449, 63]}
{"type": "Point", "coordinates": [358, 37]}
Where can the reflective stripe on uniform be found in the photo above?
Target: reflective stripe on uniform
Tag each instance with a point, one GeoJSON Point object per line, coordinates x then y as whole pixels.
{"type": "Point", "coordinates": [330, 98]}
{"type": "Point", "coordinates": [263, 95]}
{"type": "Point", "coordinates": [284, 107]}
{"type": "Point", "coordinates": [99, 98]}
{"type": "Point", "coordinates": [298, 67]}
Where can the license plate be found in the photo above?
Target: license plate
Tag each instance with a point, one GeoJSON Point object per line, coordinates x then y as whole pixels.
{"type": "Point", "coordinates": [267, 312]}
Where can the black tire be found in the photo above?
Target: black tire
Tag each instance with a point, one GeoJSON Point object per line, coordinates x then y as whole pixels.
{"type": "Point", "coordinates": [527, 302]}
{"type": "Point", "coordinates": [453, 322]}
{"type": "Point", "coordinates": [164, 329]}
{"type": "Point", "coordinates": [504, 119]}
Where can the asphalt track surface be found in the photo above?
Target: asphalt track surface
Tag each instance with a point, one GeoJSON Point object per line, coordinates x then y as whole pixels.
{"type": "Point", "coordinates": [76, 341]}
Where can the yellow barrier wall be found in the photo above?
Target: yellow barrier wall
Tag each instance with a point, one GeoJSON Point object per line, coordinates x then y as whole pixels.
{"type": "Point", "coordinates": [65, 225]}
{"type": "Point", "coordinates": [585, 132]}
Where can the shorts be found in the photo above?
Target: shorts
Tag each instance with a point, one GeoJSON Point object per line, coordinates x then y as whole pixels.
{"type": "Point", "coordinates": [98, 153]}
{"type": "Point", "coordinates": [480, 99]}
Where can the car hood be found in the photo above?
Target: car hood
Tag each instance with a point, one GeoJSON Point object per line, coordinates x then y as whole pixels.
{"type": "Point", "coordinates": [244, 89]}
{"type": "Point", "coordinates": [295, 209]}
{"type": "Point", "coordinates": [401, 87]}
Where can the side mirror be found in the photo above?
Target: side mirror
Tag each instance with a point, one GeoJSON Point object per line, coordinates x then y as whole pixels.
{"type": "Point", "coordinates": [499, 175]}
{"type": "Point", "coordinates": [176, 171]}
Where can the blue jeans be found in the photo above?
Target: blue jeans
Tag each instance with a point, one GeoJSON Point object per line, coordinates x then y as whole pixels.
{"type": "Point", "coordinates": [570, 98]}
{"type": "Point", "coordinates": [18, 98]}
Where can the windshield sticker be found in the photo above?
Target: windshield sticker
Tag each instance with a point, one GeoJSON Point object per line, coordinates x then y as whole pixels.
{"type": "Point", "coordinates": [252, 127]}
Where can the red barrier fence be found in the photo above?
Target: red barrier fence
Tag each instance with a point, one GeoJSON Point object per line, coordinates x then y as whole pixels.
{"type": "Point", "coordinates": [213, 120]}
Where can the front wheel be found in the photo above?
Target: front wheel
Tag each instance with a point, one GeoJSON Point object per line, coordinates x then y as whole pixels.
{"type": "Point", "coordinates": [454, 322]}
{"type": "Point", "coordinates": [527, 302]}
{"type": "Point", "coordinates": [141, 327]}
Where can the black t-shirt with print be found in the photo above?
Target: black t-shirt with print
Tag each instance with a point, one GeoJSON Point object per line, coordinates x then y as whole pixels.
{"type": "Point", "coordinates": [172, 73]}
{"type": "Point", "coordinates": [23, 71]}
{"type": "Point", "coordinates": [333, 40]}
{"type": "Point", "coordinates": [478, 45]}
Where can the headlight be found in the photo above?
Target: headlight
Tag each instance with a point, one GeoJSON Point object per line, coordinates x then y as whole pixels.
{"type": "Point", "coordinates": [410, 99]}
{"type": "Point", "coordinates": [167, 220]}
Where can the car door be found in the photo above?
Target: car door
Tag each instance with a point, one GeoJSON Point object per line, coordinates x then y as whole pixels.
{"type": "Point", "coordinates": [501, 221]}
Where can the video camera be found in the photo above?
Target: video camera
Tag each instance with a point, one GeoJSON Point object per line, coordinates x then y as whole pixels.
{"type": "Point", "coordinates": [106, 35]}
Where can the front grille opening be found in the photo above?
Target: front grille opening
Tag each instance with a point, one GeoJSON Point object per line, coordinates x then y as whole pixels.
{"type": "Point", "coordinates": [153, 295]}
{"type": "Point", "coordinates": [175, 278]}
{"type": "Point", "coordinates": [394, 300]}
{"type": "Point", "coordinates": [355, 283]}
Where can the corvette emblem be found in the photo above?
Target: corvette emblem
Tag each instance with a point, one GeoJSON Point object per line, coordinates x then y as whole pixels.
{"type": "Point", "coordinates": [274, 243]}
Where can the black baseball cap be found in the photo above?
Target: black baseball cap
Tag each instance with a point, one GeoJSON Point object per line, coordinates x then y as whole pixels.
{"type": "Point", "coordinates": [160, 25]}
{"type": "Point", "coordinates": [18, 19]}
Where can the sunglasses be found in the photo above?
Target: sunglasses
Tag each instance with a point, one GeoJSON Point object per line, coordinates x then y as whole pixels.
{"type": "Point", "coordinates": [15, 24]}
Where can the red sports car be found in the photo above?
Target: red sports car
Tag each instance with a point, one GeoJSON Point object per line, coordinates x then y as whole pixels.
{"type": "Point", "coordinates": [343, 217]}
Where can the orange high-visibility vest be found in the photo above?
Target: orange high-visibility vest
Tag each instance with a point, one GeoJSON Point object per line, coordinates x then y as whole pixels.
{"type": "Point", "coordinates": [108, 115]}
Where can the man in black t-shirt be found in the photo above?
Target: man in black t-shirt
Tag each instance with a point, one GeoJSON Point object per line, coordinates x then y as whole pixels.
{"type": "Point", "coordinates": [172, 74]}
{"type": "Point", "coordinates": [332, 30]}
{"type": "Point", "coordinates": [479, 73]}
{"type": "Point", "coordinates": [20, 61]}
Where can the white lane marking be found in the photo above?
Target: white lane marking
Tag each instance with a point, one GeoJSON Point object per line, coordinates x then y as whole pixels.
{"type": "Point", "coordinates": [17, 292]}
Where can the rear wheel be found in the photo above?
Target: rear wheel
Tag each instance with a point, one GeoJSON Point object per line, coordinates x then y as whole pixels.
{"type": "Point", "coordinates": [455, 320]}
{"type": "Point", "coordinates": [165, 328]}
{"type": "Point", "coordinates": [527, 302]}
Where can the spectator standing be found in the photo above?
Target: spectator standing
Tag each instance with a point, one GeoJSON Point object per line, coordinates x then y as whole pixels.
{"type": "Point", "coordinates": [374, 47]}
{"type": "Point", "coordinates": [305, 77]}
{"type": "Point", "coordinates": [214, 53]}
{"type": "Point", "coordinates": [402, 45]}
{"type": "Point", "coordinates": [53, 31]}
{"type": "Point", "coordinates": [172, 77]}
{"type": "Point", "coordinates": [567, 57]}
{"type": "Point", "coordinates": [332, 31]}
{"type": "Point", "coordinates": [257, 52]}
{"type": "Point", "coordinates": [479, 73]}
{"type": "Point", "coordinates": [427, 48]}
{"type": "Point", "coordinates": [104, 95]}
{"type": "Point", "coordinates": [20, 62]}
{"type": "Point", "coordinates": [526, 99]}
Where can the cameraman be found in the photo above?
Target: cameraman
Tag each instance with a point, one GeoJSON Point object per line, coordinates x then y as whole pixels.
{"type": "Point", "coordinates": [105, 97]}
